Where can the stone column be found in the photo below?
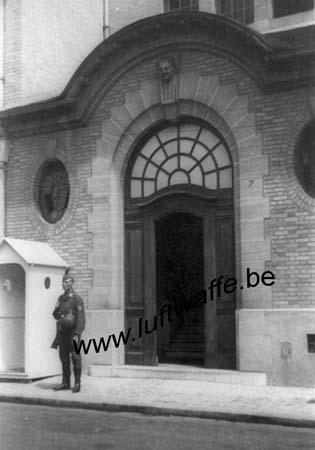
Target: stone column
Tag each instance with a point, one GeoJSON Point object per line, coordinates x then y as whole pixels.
{"type": "Point", "coordinates": [4, 157]}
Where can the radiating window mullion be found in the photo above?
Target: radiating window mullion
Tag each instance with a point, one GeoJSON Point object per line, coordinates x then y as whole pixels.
{"type": "Point", "coordinates": [196, 140]}
{"type": "Point", "coordinates": [228, 166]}
{"type": "Point", "coordinates": [178, 145]}
{"type": "Point", "coordinates": [212, 149]}
{"type": "Point", "coordinates": [142, 187]}
{"type": "Point", "coordinates": [162, 145]}
{"type": "Point", "coordinates": [206, 155]}
{"type": "Point", "coordinates": [150, 160]}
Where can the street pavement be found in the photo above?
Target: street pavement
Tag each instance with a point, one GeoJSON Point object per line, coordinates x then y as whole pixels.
{"type": "Point", "coordinates": [28, 427]}
{"type": "Point", "coordinates": [263, 404]}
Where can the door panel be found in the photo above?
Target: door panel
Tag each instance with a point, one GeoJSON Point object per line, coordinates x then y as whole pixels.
{"type": "Point", "coordinates": [135, 258]}
{"type": "Point", "coordinates": [150, 339]}
{"type": "Point", "coordinates": [210, 359]}
{"type": "Point", "coordinates": [134, 305]}
{"type": "Point", "coordinates": [226, 303]}
{"type": "Point", "coordinates": [140, 304]}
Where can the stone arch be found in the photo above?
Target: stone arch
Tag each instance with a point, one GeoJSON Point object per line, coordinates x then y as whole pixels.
{"type": "Point", "coordinates": [200, 97]}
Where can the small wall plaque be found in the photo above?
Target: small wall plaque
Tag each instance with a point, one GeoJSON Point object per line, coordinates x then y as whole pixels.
{"type": "Point", "coordinates": [286, 350]}
{"type": "Point", "coordinates": [311, 343]}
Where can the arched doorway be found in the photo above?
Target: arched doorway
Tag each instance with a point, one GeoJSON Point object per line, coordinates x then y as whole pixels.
{"type": "Point", "coordinates": [179, 230]}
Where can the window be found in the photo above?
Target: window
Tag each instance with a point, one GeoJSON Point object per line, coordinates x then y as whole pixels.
{"type": "Point", "coordinates": [239, 10]}
{"type": "Point", "coordinates": [186, 153]}
{"type": "Point", "coordinates": [181, 5]}
{"type": "Point", "coordinates": [304, 159]}
{"type": "Point", "coordinates": [286, 7]}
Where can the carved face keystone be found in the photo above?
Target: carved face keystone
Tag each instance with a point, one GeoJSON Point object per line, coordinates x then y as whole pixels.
{"type": "Point", "coordinates": [166, 69]}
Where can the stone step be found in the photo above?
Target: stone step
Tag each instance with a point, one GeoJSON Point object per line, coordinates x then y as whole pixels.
{"type": "Point", "coordinates": [194, 327]}
{"type": "Point", "coordinates": [191, 333]}
{"type": "Point", "coordinates": [189, 338]}
{"type": "Point", "coordinates": [180, 372]}
{"type": "Point", "coordinates": [185, 346]}
{"type": "Point", "coordinates": [183, 355]}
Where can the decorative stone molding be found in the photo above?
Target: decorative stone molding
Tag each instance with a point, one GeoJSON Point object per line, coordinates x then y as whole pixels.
{"type": "Point", "coordinates": [54, 149]}
{"type": "Point", "coordinates": [200, 97]}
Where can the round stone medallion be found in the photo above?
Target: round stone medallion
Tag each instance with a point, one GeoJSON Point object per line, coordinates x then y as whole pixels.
{"type": "Point", "coordinates": [52, 190]}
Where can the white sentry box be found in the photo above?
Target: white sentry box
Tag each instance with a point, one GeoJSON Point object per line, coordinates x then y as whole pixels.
{"type": "Point", "coordinates": [30, 282]}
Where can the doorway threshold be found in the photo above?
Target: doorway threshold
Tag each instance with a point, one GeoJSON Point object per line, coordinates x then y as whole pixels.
{"type": "Point", "coordinates": [180, 372]}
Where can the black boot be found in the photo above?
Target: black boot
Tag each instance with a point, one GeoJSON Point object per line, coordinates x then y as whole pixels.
{"type": "Point", "coordinates": [77, 385]}
{"type": "Point", "coordinates": [63, 386]}
{"type": "Point", "coordinates": [76, 360]}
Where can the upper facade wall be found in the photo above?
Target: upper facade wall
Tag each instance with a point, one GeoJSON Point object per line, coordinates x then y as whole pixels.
{"type": "Point", "coordinates": [45, 41]}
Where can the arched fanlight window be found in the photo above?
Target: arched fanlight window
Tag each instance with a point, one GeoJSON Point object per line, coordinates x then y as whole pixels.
{"type": "Point", "coordinates": [184, 153]}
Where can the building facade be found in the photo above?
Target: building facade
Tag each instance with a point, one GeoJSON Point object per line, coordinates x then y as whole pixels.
{"type": "Point", "coordinates": [158, 146]}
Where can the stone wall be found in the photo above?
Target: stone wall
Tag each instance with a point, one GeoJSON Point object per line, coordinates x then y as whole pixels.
{"type": "Point", "coordinates": [44, 43]}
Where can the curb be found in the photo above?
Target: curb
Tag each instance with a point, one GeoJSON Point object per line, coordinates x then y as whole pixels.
{"type": "Point", "coordinates": [160, 411]}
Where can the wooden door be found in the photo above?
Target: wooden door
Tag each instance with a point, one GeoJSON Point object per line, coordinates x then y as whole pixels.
{"type": "Point", "coordinates": [140, 304]}
{"type": "Point", "coordinates": [220, 346]}
{"type": "Point", "coordinates": [139, 285]}
{"type": "Point", "coordinates": [226, 303]}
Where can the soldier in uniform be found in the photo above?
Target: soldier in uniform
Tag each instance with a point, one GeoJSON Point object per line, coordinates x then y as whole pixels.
{"type": "Point", "coordinates": [70, 316]}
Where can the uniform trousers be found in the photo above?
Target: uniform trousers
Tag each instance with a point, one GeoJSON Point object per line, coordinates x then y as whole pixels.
{"type": "Point", "coordinates": [66, 348]}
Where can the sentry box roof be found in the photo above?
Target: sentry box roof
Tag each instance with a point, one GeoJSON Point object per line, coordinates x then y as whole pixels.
{"type": "Point", "coordinates": [34, 252]}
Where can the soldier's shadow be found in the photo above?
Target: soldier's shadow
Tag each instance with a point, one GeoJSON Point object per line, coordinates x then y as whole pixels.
{"type": "Point", "coordinates": [47, 383]}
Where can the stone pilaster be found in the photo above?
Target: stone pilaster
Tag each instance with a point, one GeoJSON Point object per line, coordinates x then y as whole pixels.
{"type": "Point", "coordinates": [4, 157]}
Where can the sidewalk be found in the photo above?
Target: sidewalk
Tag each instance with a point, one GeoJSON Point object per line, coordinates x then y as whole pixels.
{"type": "Point", "coordinates": [266, 404]}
